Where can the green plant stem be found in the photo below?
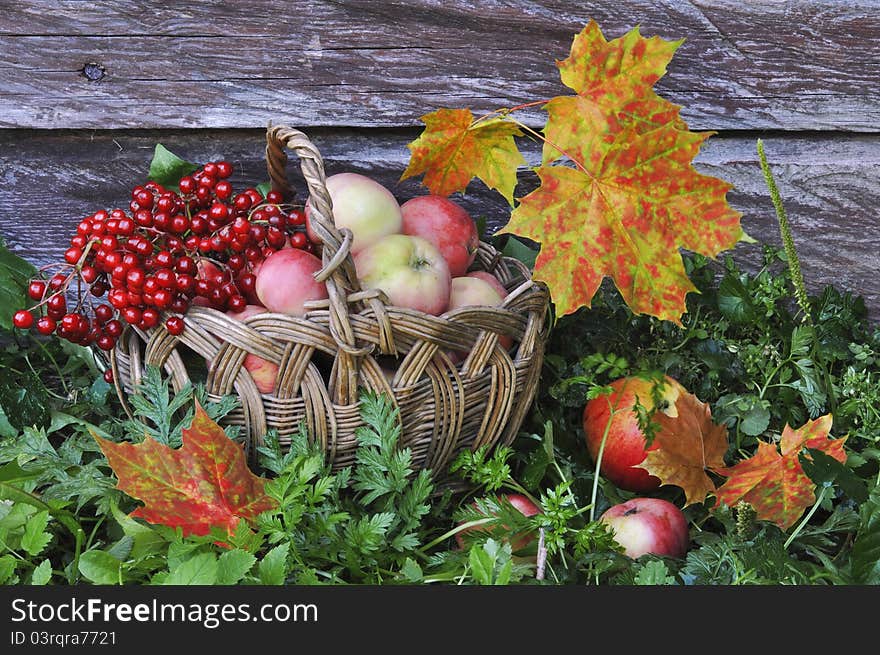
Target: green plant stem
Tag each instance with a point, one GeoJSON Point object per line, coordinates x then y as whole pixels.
{"type": "Point", "coordinates": [453, 532]}
{"type": "Point", "coordinates": [595, 489]}
{"type": "Point", "coordinates": [807, 518]}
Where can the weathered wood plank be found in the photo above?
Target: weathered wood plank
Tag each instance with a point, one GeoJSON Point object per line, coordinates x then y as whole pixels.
{"type": "Point", "coordinates": [763, 64]}
{"type": "Point", "coordinates": [831, 187]}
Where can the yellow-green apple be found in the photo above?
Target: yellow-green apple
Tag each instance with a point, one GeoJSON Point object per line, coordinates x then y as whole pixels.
{"type": "Point", "coordinates": [517, 541]}
{"type": "Point", "coordinates": [648, 525]}
{"type": "Point", "coordinates": [625, 444]}
{"type": "Point", "coordinates": [286, 281]}
{"type": "Point", "coordinates": [447, 225]}
{"type": "Point", "coordinates": [491, 279]}
{"type": "Point", "coordinates": [410, 270]}
{"type": "Point", "coordinates": [263, 372]}
{"type": "Point", "coordinates": [364, 206]}
{"type": "Point", "coordinates": [469, 291]}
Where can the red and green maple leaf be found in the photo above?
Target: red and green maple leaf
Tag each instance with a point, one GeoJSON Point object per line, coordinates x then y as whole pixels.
{"type": "Point", "coordinates": [772, 481]}
{"type": "Point", "coordinates": [204, 484]}
{"type": "Point", "coordinates": [632, 198]}
{"type": "Point", "coordinates": [453, 149]}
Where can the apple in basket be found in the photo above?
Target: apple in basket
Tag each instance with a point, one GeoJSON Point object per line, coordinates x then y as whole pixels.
{"type": "Point", "coordinates": [410, 270]}
{"type": "Point", "coordinates": [263, 372]}
{"type": "Point", "coordinates": [470, 291]}
{"type": "Point", "coordinates": [445, 224]}
{"type": "Point", "coordinates": [491, 279]}
{"type": "Point", "coordinates": [286, 281]}
{"type": "Point", "coordinates": [362, 205]}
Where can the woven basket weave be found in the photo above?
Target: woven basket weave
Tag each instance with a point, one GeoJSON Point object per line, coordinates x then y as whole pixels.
{"type": "Point", "coordinates": [327, 356]}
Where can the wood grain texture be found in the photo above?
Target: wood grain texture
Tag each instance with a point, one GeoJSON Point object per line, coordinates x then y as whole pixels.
{"type": "Point", "coordinates": [830, 186]}
{"type": "Point", "coordinates": [761, 64]}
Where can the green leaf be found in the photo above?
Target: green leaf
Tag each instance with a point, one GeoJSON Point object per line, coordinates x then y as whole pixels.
{"type": "Point", "coordinates": [865, 556]}
{"type": "Point", "coordinates": [145, 540]}
{"type": "Point", "coordinates": [6, 428]}
{"type": "Point", "coordinates": [821, 468]}
{"type": "Point", "coordinates": [100, 567]}
{"type": "Point", "coordinates": [233, 565]}
{"type": "Point", "coordinates": [654, 572]}
{"type": "Point", "coordinates": [12, 473]}
{"type": "Point", "coordinates": [15, 275]}
{"type": "Point", "coordinates": [735, 300]}
{"type": "Point", "coordinates": [752, 412]}
{"type": "Point", "coordinates": [412, 571]}
{"type": "Point", "coordinates": [42, 574]}
{"type": "Point", "coordinates": [264, 188]}
{"type": "Point", "coordinates": [35, 537]}
{"type": "Point", "coordinates": [273, 566]}
{"type": "Point", "coordinates": [7, 568]}
{"type": "Point", "coordinates": [491, 562]}
{"type": "Point", "coordinates": [200, 569]}
{"type": "Point", "coordinates": [24, 401]}
{"type": "Point", "coordinates": [167, 168]}
{"type": "Point", "coordinates": [517, 249]}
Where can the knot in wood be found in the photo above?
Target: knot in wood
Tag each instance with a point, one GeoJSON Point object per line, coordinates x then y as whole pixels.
{"type": "Point", "coordinates": [93, 71]}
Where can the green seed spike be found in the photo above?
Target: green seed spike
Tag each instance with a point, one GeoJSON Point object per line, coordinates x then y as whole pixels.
{"type": "Point", "coordinates": [794, 264]}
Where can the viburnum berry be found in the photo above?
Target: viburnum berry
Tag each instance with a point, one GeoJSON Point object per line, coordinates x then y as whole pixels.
{"type": "Point", "coordinates": [36, 289]}
{"type": "Point", "coordinates": [174, 325]}
{"type": "Point", "coordinates": [46, 325]}
{"type": "Point", "coordinates": [298, 239]}
{"type": "Point", "coordinates": [23, 319]}
{"type": "Point", "coordinates": [186, 185]}
{"type": "Point", "coordinates": [224, 169]}
{"type": "Point", "coordinates": [108, 376]}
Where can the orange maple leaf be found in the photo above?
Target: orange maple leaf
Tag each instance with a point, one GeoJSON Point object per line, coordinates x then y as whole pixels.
{"type": "Point", "coordinates": [772, 481]}
{"type": "Point", "coordinates": [453, 149]}
{"type": "Point", "coordinates": [205, 483]}
{"type": "Point", "coordinates": [686, 445]}
{"type": "Point", "coordinates": [633, 198]}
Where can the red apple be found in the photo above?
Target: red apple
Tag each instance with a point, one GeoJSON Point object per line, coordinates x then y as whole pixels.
{"type": "Point", "coordinates": [410, 270]}
{"type": "Point", "coordinates": [625, 446]}
{"type": "Point", "coordinates": [362, 205]}
{"type": "Point", "coordinates": [524, 505]}
{"type": "Point", "coordinates": [648, 525]}
{"type": "Point", "coordinates": [445, 224]}
{"type": "Point", "coordinates": [491, 279]}
{"type": "Point", "coordinates": [263, 372]}
{"type": "Point", "coordinates": [286, 281]}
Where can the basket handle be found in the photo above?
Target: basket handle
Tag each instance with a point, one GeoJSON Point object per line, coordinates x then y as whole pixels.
{"type": "Point", "coordinates": [338, 270]}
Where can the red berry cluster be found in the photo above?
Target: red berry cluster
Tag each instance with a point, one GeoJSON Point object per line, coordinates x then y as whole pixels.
{"type": "Point", "coordinates": [201, 245]}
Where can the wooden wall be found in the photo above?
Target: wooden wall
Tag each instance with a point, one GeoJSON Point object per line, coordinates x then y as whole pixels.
{"type": "Point", "coordinates": [88, 88]}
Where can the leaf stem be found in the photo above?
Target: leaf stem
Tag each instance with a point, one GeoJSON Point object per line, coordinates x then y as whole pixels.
{"type": "Point", "coordinates": [807, 518]}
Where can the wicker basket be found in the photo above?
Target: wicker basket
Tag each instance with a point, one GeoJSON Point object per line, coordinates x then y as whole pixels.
{"type": "Point", "coordinates": [327, 356]}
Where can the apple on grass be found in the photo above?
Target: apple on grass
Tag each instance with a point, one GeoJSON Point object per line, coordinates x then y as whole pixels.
{"type": "Point", "coordinates": [362, 205]}
{"type": "Point", "coordinates": [445, 224]}
{"type": "Point", "coordinates": [625, 444]}
{"type": "Point", "coordinates": [286, 280]}
{"type": "Point", "coordinates": [410, 270]}
{"type": "Point", "coordinates": [526, 508]}
{"type": "Point", "coordinates": [648, 526]}
{"type": "Point", "coordinates": [263, 372]}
